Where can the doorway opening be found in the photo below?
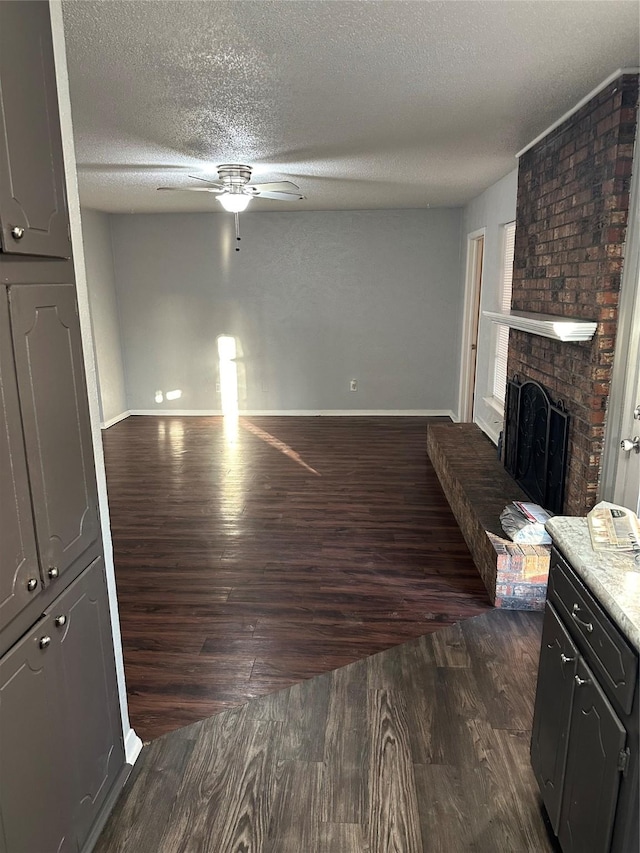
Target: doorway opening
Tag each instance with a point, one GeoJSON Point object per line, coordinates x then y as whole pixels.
{"type": "Point", "coordinates": [473, 289]}
{"type": "Point", "coordinates": [620, 477]}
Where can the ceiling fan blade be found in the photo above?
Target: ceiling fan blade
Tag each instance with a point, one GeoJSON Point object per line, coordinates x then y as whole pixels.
{"type": "Point", "coordinates": [207, 181]}
{"type": "Point", "coordinates": [193, 189]}
{"type": "Point", "coordinates": [280, 196]}
{"type": "Point", "coordinates": [276, 187]}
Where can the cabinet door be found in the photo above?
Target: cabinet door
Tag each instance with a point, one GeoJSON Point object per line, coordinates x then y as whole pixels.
{"type": "Point", "coordinates": [592, 777]}
{"type": "Point", "coordinates": [19, 571]}
{"type": "Point", "coordinates": [33, 211]}
{"type": "Point", "coordinates": [88, 681]}
{"type": "Point", "coordinates": [36, 775]}
{"type": "Point", "coordinates": [552, 713]}
{"type": "Point", "coordinates": [51, 385]}
{"type": "Point", "coordinates": [61, 743]}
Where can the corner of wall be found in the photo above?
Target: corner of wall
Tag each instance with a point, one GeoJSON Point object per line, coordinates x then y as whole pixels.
{"type": "Point", "coordinates": [66, 123]}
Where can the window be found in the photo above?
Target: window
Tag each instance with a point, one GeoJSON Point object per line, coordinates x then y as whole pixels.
{"type": "Point", "coordinates": [502, 335]}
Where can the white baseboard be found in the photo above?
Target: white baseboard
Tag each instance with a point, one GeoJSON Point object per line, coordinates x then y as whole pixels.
{"type": "Point", "coordinates": [132, 747]}
{"type": "Point", "coordinates": [115, 420]}
{"type": "Point", "coordinates": [183, 413]}
{"type": "Point", "coordinates": [421, 413]}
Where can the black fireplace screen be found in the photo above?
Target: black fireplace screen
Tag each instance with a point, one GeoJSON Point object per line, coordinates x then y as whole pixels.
{"type": "Point", "coordinates": [535, 442]}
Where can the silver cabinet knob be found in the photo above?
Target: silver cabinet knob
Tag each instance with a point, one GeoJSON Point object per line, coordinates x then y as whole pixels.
{"type": "Point", "coordinates": [580, 681]}
{"type": "Point", "coordinates": [59, 621]}
{"type": "Point", "coordinates": [629, 444]}
{"type": "Point", "coordinates": [566, 659]}
{"type": "Point", "coordinates": [17, 232]}
{"type": "Point", "coordinates": [44, 642]}
{"type": "Point", "coordinates": [32, 584]}
{"type": "Point", "coordinates": [53, 572]}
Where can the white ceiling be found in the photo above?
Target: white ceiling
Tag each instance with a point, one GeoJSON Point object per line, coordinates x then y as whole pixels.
{"type": "Point", "coordinates": [364, 104]}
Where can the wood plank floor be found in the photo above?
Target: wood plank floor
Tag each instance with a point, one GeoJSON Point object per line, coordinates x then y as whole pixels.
{"type": "Point", "coordinates": [423, 748]}
{"type": "Point", "coordinates": [250, 556]}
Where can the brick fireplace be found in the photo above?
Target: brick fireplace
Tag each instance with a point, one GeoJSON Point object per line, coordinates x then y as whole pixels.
{"type": "Point", "coordinates": [572, 209]}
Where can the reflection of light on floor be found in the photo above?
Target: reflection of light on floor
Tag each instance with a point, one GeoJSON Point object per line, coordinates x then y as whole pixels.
{"type": "Point", "coordinates": [232, 483]}
{"type": "Point", "coordinates": [176, 436]}
{"type": "Point", "coordinates": [272, 441]}
{"type": "Point", "coordinates": [230, 429]}
{"type": "Point", "coordinates": [231, 494]}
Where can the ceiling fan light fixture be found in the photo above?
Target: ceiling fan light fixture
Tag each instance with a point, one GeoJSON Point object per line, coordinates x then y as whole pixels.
{"type": "Point", "coordinates": [234, 202]}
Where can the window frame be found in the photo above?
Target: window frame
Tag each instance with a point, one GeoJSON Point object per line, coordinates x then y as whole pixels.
{"type": "Point", "coordinates": [500, 347]}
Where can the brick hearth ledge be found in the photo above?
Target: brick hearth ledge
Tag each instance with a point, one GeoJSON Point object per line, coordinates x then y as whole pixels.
{"type": "Point", "coordinates": [478, 488]}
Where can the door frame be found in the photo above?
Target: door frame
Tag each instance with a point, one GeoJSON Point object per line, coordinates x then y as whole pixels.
{"type": "Point", "coordinates": [625, 379]}
{"type": "Point", "coordinates": [470, 323]}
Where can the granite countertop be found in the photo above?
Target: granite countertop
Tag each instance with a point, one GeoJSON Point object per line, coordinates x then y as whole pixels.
{"type": "Point", "coordinates": [613, 578]}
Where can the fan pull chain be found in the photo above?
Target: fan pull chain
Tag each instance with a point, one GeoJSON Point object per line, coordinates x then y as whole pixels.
{"type": "Point", "coordinates": [236, 216]}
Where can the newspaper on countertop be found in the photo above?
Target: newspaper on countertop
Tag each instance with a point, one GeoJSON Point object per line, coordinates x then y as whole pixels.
{"type": "Point", "coordinates": [613, 528]}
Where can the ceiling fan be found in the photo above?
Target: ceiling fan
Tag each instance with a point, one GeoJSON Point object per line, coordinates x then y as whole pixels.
{"type": "Point", "coordinates": [234, 190]}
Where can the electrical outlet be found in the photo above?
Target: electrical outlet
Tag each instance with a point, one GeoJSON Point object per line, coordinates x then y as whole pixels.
{"type": "Point", "coordinates": [217, 387]}
{"type": "Point", "coordinates": [353, 385]}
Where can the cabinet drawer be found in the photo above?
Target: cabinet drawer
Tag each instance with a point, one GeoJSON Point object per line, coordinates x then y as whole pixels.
{"type": "Point", "coordinates": [599, 639]}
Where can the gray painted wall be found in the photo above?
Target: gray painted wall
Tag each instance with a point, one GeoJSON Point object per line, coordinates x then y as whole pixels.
{"type": "Point", "coordinates": [96, 235]}
{"type": "Point", "coordinates": [313, 299]}
{"type": "Point", "coordinates": [492, 209]}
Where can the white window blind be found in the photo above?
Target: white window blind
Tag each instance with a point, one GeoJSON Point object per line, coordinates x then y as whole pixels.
{"type": "Point", "coordinates": [502, 340]}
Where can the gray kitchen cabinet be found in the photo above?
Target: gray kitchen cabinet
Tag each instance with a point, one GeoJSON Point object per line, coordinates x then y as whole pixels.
{"type": "Point", "coordinates": [62, 758]}
{"type": "Point", "coordinates": [35, 794]}
{"type": "Point", "coordinates": [55, 420]}
{"type": "Point", "coordinates": [20, 578]}
{"type": "Point", "coordinates": [585, 738]}
{"type": "Point", "coordinates": [552, 712]}
{"type": "Point", "coordinates": [89, 693]}
{"type": "Point", "coordinates": [592, 775]}
{"type": "Point", "coordinates": [33, 212]}
{"type": "Point", "coordinates": [60, 733]}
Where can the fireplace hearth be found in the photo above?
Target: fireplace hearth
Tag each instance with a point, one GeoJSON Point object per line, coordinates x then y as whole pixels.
{"type": "Point", "coordinates": [535, 442]}
{"type": "Point", "coordinates": [478, 488]}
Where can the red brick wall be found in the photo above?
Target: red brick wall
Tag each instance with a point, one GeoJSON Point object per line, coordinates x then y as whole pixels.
{"type": "Point", "coordinates": [573, 201]}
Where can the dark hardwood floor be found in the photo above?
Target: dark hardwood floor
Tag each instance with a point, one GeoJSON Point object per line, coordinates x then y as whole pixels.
{"type": "Point", "coordinates": [423, 748]}
{"type": "Point", "coordinates": [251, 558]}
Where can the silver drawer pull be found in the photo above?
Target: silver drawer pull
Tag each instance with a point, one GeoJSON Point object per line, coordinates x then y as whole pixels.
{"type": "Point", "coordinates": [60, 621]}
{"type": "Point", "coordinates": [566, 659]}
{"type": "Point", "coordinates": [44, 642]}
{"type": "Point", "coordinates": [588, 626]}
{"type": "Point", "coordinates": [580, 681]}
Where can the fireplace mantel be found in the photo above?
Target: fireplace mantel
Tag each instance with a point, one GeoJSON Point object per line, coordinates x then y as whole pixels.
{"type": "Point", "coordinates": [546, 325]}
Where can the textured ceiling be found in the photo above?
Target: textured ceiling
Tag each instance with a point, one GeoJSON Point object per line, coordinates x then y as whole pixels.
{"type": "Point", "coordinates": [364, 104]}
